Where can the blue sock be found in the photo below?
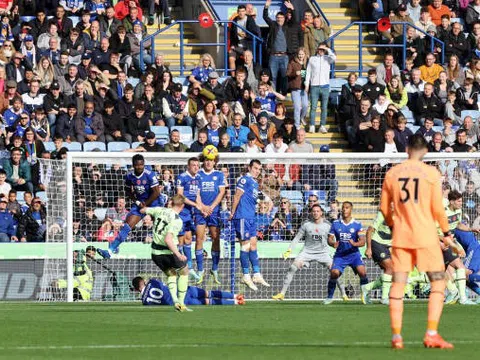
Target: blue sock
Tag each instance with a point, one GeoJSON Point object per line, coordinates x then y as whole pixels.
{"type": "Point", "coordinates": [244, 262]}
{"type": "Point", "coordinates": [180, 248]}
{"type": "Point", "coordinates": [187, 251]}
{"type": "Point", "coordinates": [218, 294]}
{"type": "Point", "coordinates": [473, 281]}
{"type": "Point", "coordinates": [222, 301]}
{"type": "Point", "coordinates": [199, 259]}
{"type": "Point", "coordinates": [332, 284]}
{"type": "Point", "coordinates": [121, 237]}
{"type": "Point", "coordinates": [253, 255]}
{"type": "Point", "coordinates": [364, 280]}
{"type": "Point", "coordinates": [215, 260]}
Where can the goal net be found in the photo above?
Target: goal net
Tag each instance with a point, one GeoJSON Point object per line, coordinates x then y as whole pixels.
{"type": "Point", "coordinates": [87, 206]}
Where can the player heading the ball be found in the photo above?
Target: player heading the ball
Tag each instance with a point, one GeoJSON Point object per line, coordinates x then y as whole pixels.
{"type": "Point", "coordinates": [141, 185]}
{"type": "Point", "coordinates": [245, 224]}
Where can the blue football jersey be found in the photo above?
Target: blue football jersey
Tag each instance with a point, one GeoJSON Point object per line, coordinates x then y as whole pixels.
{"type": "Point", "coordinates": [156, 293]}
{"type": "Point", "coordinates": [268, 102]}
{"type": "Point", "coordinates": [345, 232]}
{"type": "Point", "coordinates": [248, 202]}
{"type": "Point", "coordinates": [142, 185]}
{"type": "Point", "coordinates": [210, 184]}
{"type": "Point", "coordinates": [190, 185]}
{"type": "Point", "coordinates": [213, 136]}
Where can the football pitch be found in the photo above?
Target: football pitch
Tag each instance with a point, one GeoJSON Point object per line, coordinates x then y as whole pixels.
{"type": "Point", "coordinates": [260, 330]}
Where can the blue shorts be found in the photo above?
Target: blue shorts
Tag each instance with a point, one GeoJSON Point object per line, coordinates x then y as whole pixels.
{"type": "Point", "coordinates": [245, 229]}
{"type": "Point", "coordinates": [353, 260]}
{"type": "Point", "coordinates": [188, 224]}
{"type": "Point", "coordinates": [212, 220]}
{"type": "Point", "coordinates": [195, 296]}
{"type": "Point", "coordinates": [135, 210]}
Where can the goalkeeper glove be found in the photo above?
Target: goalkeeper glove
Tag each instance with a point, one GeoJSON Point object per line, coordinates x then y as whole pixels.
{"type": "Point", "coordinates": [286, 254]}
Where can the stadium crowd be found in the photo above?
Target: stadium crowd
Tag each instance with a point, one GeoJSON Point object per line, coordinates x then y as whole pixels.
{"type": "Point", "coordinates": [71, 74]}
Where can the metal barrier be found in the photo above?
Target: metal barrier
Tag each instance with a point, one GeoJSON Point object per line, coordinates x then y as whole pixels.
{"type": "Point", "coordinates": [257, 43]}
{"type": "Point", "coordinates": [362, 45]}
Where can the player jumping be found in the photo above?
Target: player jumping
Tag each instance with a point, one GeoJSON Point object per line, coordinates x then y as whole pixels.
{"type": "Point", "coordinates": [245, 224]}
{"type": "Point", "coordinates": [156, 292]}
{"type": "Point", "coordinates": [315, 232]}
{"type": "Point", "coordinates": [165, 254]}
{"type": "Point", "coordinates": [454, 216]}
{"type": "Point", "coordinates": [379, 241]}
{"type": "Point", "coordinates": [187, 185]}
{"type": "Point", "coordinates": [212, 190]}
{"type": "Point", "coordinates": [142, 186]}
{"type": "Point", "coordinates": [347, 236]}
{"type": "Point", "coordinates": [412, 203]}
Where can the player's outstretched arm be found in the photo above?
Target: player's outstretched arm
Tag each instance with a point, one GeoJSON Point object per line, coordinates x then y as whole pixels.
{"type": "Point", "coordinates": [296, 239]}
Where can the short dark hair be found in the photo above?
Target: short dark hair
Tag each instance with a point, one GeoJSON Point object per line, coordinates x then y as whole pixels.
{"type": "Point", "coordinates": [241, 7]}
{"type": "Point", "coordinates": [316, 205]}
{"type": "Point", "coordinates": [349, 203]}
{"type": "Point", "coordinates": [372, 72]}
{"type": "Point", "coordinates": [2, 172]}
{"type": "Point", "coordinates": [137, 157]}
{"type": "Point", "coordinates": [136, 282]}
{"type": "Point", "coordinates": [193, 159]}
{"type": "Point", "coordinates": [417, 142]}
{"type": "Point", "coordinates": [454, 195]}
{"type": "Point", "coordinates": [254, 161]}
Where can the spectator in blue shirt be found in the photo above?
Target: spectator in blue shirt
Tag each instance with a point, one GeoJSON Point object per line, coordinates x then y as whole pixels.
{"type": "Point", "coordinates": [7, 229]}
{"type": "Point", "coordinates": [204, 68]}
{"type": "Point", "coordinates": [268, 98]}
{"type": "Point", "coordinates": [237, 132]}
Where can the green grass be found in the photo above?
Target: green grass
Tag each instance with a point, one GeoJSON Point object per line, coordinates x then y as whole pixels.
{"type": "Point", "coordinates": [255, 331]}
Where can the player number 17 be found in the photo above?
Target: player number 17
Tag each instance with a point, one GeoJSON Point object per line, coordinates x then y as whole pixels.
{"type": "Point", "coordinates": [406, 191]}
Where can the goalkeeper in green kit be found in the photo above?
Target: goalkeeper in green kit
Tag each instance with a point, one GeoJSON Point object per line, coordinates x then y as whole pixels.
{"type": "Point", "coordinates": [166, 226]}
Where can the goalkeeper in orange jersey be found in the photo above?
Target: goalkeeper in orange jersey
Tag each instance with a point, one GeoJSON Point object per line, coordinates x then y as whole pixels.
{"type": "Point", "coordinates": [412, 205]}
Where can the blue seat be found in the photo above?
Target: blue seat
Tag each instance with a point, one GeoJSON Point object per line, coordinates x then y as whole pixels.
{"type": "Point", "coordinates": [91, 145]}
{"type": "Point", "coordinates": [185, 133]}
{"type": "Point", "coordinates": [183, 80]}
{"type": "Point", "coordinates": [294, 196]}
{"type": "Point", "coordinates": [162, 141]}
{"type": "Point", "coordinates": [161, 132]}
{"type": "Point", "coordinates": [475, 114]}
{"type": "Point", "coordinates": [408, 115]}
{"type": "Point", "coordinates": [413, 128]}
{"type": "Point", "coordinates": [135, 144]}
{"type": "Point", "coordinates": [49, 146]}
{"type": "Point", "coordinates": [20, 197]}
{"type": "Point", "coordinates": [73, 146]}
{"type": "Point", "coordinates": [320, 194]}
{"type": "Point", "coordinates": [437, 128]}
{"type": "Point", "coordinates": [42, 195]}
{"type": "Point", "coordinates": [24, 19]}
{"type": "Point", "coordinates": [117, 146]}
{"type": "Point", "coordinates": [133, 81]}
{"type": "Point", "coordinates": [361, 81]}
{"type": "Point", "coordinates": [337, 83]}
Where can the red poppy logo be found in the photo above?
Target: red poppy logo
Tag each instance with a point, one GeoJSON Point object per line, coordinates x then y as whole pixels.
{"type": "Point", "coordinates": [383, 24]}
{"type": "Point", "coordinates": [205, 20]}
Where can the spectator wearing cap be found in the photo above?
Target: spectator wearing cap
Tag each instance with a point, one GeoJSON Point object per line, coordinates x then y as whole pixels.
{"type": "Point", "coordinates": [66, 124]}
{"type": "Point", "coordinates": [205, 66]}
{"type": "Point", "coordinates": [103, 94]}
{"type": "Point", "coordinates": [174, 145]}
{"type": "Point", "coordinates": [89, 125]}
{"type": "Point", "coordinates": [237, 132]}
{"type": "Point", "coordinates": [74, 45]}
{"type": "Point", "coordinates": [263, 130]}
{"type": "Point", "coordinates": [137, 124]}
{"type": "Point", "coordinates": [29, 50]}
{"type": "Point", "coordinates": [63, 22]}
{"type": "Point", "coordinates": [135, 39]}
{"type": "Point", "coordinates": [7, 228]}
{"type": "Point", "coordinates": [401, 15]}
{"type": "Point", "coordinates": [150, 144]}
{"type": "Point", "coordinates": [251, 145]}
{"type": "Point", "coordinates": [6, 97]}
{"type": "Point", "coordinates": [437, 9]}
{"type": "Point", "coordinates": [18, 171]}
{"type": "Point", "coordinates": [16, 68]}
{"type": "Point", "coordinates": [113, 123]}
{"type": "Point", "coordinates": [424, 23]}
{"type": "Point", "coordinates": [86, 60]}
{"type": "Point", "coordinates": [43, 40]}
{"type": "Point", "coordinates": [32, 226]}
{"type": "Point", "coordinates": [214, 86]}
{"type": "Point", "coordinates": [456, 43]}
{"type": "Point", "coordinates": [202, 141]}
{"type": "Point", "coordinates": [55, 104]}
{"type": "Point", "coordinates": [108, 22]}
{"type": "Point", "coordinates": [175, 107]}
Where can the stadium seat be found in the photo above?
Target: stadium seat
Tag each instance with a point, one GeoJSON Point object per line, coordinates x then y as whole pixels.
{"type": "Point", "coordinates": [133, 81]}
{"type": "Point", "coordinates": [408, 115]}
{"type": "Point", "coordinates": [20, 197]}
{"type": "Point", "coordinates": [42, 195]}
{"type": "Point", "coordinates": [413, 128]}
{"type": "Point", "coordinates": [475, 114]}
{"type": "Point", "coordinates": [294, 196]}
{"type": "Point", "coordinates": [92, 145]}
{"type": "Point", "coordinates": [188, 143]}
{"type": "Point", "coordinates": [321, 195]}
{"type": "Point", "coordinates": [100, 213]}
{"type": "Point", "coordinates": [361, 81]}
{"type": "Point", "coordinates": [49, 146]}
{"type": "Point", "coordinates": [117, 146]}
{"type": "Point", "coordinates": [161, 132]}
{"type": "Point", "coordinates": [135, 144]}
{"type": "Point", "coordinates": [162, 142]}
{"type": "Point", "coordinates": [335, 89]}
{"type": "Point", "coordinates": [24, 19]}
{"type": "Point", "coordinates": [185, 133]}
{"type": "Point", "coordinates": [437, 128]}
{"type": "Point", "coordinates": [73, 146]}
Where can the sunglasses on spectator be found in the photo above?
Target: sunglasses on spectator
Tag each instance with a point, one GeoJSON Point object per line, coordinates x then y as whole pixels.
{"type": "Point", "coordinates": [284, 202]}
{"type": "Point", "coordinates": [7, 46]}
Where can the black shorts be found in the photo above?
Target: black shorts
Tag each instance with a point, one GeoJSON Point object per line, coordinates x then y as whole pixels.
{"type": "Point", "coordinates": [380, 252]}
{"type": "Point", "coordinates": [167, 262]}
{"type": "Point", "coordinates": [449, 256]}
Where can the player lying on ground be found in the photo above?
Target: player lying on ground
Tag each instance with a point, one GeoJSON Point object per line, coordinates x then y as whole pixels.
{"type": "Point", "coordinates": [165, 254]}
{"type": "Point", "coordinates": [412, 204]}
{"type": "Point", "coordinates": [141, 185]}
{"type": "Point", "coordinates": [245, 224]}
{"type": "Point", "coordinates": [207, 213]}
{"type": "Point", "coordinates": [156, 292]}
{"type": "Point", "coordinates": [346, 236]}
{"type": "Point", "coordinates": [454, 216]}
{"type": "Point", "coordinates": [315, 233]}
